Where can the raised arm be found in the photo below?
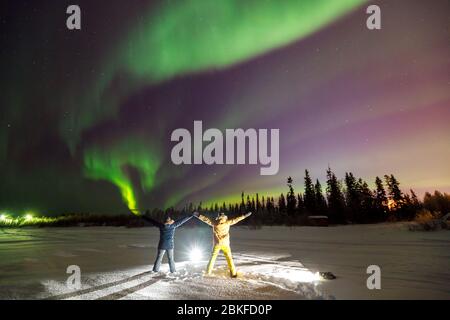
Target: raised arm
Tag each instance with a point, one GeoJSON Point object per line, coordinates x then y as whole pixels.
{"type": "Point", "coordinates": [181, 221]}
{"type": "Point", "coordinates": [151, 220]}
{"type": "Point", "coordinates": [240, 218]}
{"type": "Point", "coordinates": [205, 219]}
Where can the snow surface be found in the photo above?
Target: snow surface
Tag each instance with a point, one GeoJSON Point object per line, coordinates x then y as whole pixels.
{"type": "Point", "coordinates": [273, 263]}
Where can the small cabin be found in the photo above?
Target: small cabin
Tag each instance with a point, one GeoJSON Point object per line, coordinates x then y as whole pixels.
{"type": "Point", "coordinates": [318, 221]}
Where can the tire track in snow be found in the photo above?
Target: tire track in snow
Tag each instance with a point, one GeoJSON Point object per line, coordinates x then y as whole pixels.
{"type": "Point", "coordinates": [104, 286]}
{"type": "Point", "coordinates": [127, 291]}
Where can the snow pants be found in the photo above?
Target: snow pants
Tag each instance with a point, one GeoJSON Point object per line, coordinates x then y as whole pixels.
{"type": "Point", "coordinates": [160, 257]}
{"type": "Point", "coordinates": [227, 252]}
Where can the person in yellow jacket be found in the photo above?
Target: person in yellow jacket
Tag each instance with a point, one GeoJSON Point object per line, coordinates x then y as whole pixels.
{"type": "Point", "coordinates": [221, 230]}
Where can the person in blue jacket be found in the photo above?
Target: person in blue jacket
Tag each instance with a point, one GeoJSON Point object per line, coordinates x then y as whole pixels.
{"type": "Point", "coordinates": [166, 239]}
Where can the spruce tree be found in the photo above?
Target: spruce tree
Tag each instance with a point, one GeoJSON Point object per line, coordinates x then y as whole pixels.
{"type": "Point", "coordinates": [291, 200]}
{"type": "Point", "coordinates": [336, 202]}
{"type": "Point", "coordinates": [380, 200]}
{"type": "Point", "coordinates": [321, 204]}
{"type": "Point", "coordinates": [309, 197]}
{"type": "Point", "coordinates": [282, 204]}
{"type": "Point", "coordinates": [300, 204]}
{"type": "Point", "coordinates": [253, 205]}
{"type": "Point", "coordinates": [352, 197]}
{"type": "Point", "coordinates": [414, 199]}
{"type": "Point", "coordinates": [258, 204]}
{"type": "Point", "coordinates": [366, 204]}
{"type": "Point", "coordinates": [394, 189]}
{"type": "Point", "coordinates": [395, 194]}
{"type": "Point", "coordinates": [248, 207]}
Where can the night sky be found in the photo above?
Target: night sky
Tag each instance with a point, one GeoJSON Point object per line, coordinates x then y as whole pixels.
{"type": "Point", "coordinates": [86, 116]}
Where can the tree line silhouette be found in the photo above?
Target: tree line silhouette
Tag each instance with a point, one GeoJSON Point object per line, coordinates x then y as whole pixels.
{"type": "Point", "coordinates": [346, 201]}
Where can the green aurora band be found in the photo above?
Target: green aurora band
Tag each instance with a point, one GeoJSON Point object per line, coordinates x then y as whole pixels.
{"type": "Point", "coordinates": [196, 35]}
{"type": "Point", "coordinates": [190, 36]}
{"type": "Point", "coordinates": [176, 39]}
{"type": "Point", "coordinates": [112, 164]}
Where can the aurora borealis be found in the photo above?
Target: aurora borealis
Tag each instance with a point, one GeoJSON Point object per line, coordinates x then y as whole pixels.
{"type": "Point", "coordinates": [86, 116]}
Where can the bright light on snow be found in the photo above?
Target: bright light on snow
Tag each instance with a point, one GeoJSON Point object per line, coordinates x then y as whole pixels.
{"type": "Point", "coordinates": [5, 218]}
{"type": "Point", "coordinates": [195, 254]}
{"type": "Point", "coordinates": [299, 275]}
{"type": "Point", "coordinates": [303, 276]}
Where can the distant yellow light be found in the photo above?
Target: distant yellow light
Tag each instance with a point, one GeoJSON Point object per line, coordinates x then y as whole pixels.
{"type": "Point", "coordinates": [392, 204]}
{"type": "Point", "coordinates": [3, 217]}
{"type": "Point", "coordinates": [28, 217]}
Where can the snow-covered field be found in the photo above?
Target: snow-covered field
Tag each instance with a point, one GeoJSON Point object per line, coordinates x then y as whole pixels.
{"type": "Point", "coordinates": [273, 263]}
